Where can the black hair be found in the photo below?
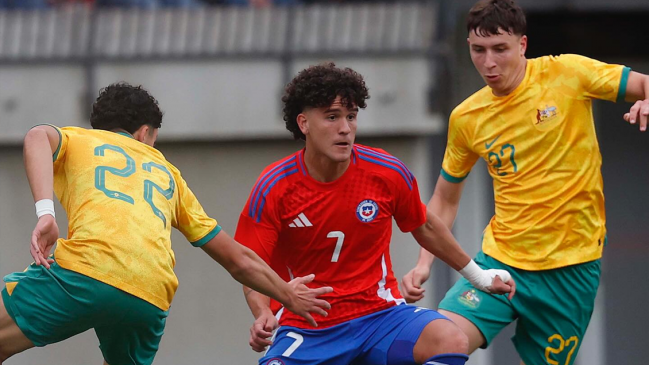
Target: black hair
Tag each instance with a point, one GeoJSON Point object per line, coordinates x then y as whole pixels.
{"type": "Point", "coordinates": [487, 16]}
{"type": "Point", "coordinates": [318, 86]}
{"type": "Point", "coordinates": [124, 106]}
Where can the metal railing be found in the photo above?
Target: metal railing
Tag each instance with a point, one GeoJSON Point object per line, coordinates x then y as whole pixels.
{"type": "Point", "coordinates": [80, 32]}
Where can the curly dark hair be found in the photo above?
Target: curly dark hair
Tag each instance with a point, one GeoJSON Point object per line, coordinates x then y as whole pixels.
{"type": "Point", "coordinates": [487, 16]}
{"type": "Point", "coordinates": [124, 106]}
{"type": "Point", "coordinates": [317, 87]}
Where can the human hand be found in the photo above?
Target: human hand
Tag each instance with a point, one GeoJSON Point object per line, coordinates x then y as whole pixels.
{"type": "Point", "coordinates": [43, 239]}
{"type": "Point", "coordinates": [493, 281]}
{"type": "Point", "coordinates": [306, 300]}
{"type": "Point", "coordinates": [262, 330]}
{"type": "Point", "coordinates": [411, 283]}
{"type": "Point", "coordinates": [499, 286]}
{"type": "Point", "coordinates": [638, 113]}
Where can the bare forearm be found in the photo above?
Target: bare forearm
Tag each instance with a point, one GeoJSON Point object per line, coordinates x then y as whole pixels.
{"type": "Point", "coordinates": [444, 204]}
{"type": "Point", "coordinates": [637, 87]}
{"type": "Point", "coordinates": [254, 273]}
{"type": "Point", "coordinates": [247, 268]}
{"type": "Point", "coordinates": [38, 164]}
{"type": "Point", "coordinates": [257, 302]}
{"type": "Point", "coordinates": [435, 237]}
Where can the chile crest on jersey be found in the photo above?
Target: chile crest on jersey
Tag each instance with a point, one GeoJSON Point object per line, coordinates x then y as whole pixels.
{"type": "Point", "coordinates": [367, 210]}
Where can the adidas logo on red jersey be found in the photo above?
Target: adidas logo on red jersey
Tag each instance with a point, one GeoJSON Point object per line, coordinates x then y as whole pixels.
{"type": "Point", "coordinates": [301, 221]}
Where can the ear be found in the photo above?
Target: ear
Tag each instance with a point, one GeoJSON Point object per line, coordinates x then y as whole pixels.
{"type": "Point", "coordinates": [523, 45]}
{"type": "Point", "coordinates": [302, 123]}
{"type": "Point", "coordinates": [141, 133]}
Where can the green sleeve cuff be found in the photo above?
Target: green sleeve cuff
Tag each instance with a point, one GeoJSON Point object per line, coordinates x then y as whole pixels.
{"type": "Point", "coordinates": [58, 148]}
{"type": "Point", "coordinates": [621, 92]}
{"type": "Point", "coordinates": [207, 237]}
{"type": "Point", "coordinates": [452, 179]}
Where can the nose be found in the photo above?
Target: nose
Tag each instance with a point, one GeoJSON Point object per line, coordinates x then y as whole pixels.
{"type": "Point", "coordinates": [489, 60]}
{"type": "Point", "coordinates": [344, 127]}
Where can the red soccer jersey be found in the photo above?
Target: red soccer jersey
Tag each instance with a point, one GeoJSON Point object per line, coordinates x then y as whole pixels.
{"type": "Point", "coordinates": [339, 231]}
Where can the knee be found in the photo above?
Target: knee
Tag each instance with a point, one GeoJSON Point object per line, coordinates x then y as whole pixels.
{"type": "Point", "coordinates": [449, 338]}
{"type": "Point", "coordinates": [440, 337]}
{"type": "Point", "coordinates": [455, 341]}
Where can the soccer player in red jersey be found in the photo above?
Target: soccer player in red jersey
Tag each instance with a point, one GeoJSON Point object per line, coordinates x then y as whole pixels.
{"type": "Point", "coordinates": [327, 209]}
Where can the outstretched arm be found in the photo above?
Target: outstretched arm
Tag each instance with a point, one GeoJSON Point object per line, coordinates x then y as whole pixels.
{"type": "Point", "coordinates": [249, 269]}
{"type": "Point", "coordinates": [444, 204]}
{"type": "Point", "coordinates": [40, 144]}
{"type": "Point", "coordinates": [436, 237]}
{"type": "Point", "coordinates": [637, 92]}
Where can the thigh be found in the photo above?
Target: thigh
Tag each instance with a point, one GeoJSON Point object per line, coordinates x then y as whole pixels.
{"type": "Point", "coordinates": [329, 346]}
{"type": "Point", "coordinates": [134, 332]}
{"type": "Point", "coordinates": [12, 339]}
{"type": "Point", "coordinates": [390, 336]}
{"type": "Point", "coordinates": [555, 314]}
{"type": "Point", "coordinates": [416, 337]}
{"type": "Point", "coordinates": [489, 313]}
{"type": "Point", "coordinates": [48, 305]}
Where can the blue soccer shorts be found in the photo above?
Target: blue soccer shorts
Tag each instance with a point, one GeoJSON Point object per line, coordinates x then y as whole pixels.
{"type": "Point", "coordinates": [387, 337]}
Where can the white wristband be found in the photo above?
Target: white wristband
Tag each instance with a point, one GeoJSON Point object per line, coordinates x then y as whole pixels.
{"type": "Point", "coordinates": [483, 279]}
{"type": "Point", "coordinates": [472, 272]}
{"type": "Point", "coordinates": [44, 206]}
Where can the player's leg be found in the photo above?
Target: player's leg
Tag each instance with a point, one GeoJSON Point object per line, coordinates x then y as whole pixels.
{"type": "Point", "coordinates": [130, 329]}
{"type": "Point", "coordinates": [408, 335]}
{"type": "Point", "coordinates": [474, 336]}
{"type": "Point", "coordinates": [481, 316]}
{"type": "Point", "coordinates": [443, 342]}
{"type": "Point", "coordinates": [45, 305]}
{"type": "Point", "coordinates": [553, 321]}
{"type": "Point", "coordinates": [12, 339]}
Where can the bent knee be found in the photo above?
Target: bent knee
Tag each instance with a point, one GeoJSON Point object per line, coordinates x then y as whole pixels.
{"type": "Point", "coordinates": [456, 341]}
{"type": "Point", "coordinates": [443, 337]}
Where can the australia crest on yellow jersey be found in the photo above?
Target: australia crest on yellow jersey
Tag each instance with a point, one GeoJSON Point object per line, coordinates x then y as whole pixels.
{"type": "Point", "coordinates": [547, 113]}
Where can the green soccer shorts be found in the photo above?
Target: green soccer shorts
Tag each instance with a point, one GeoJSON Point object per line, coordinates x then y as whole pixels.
{"type": "Point", "coordinates": [551, 308]}
{"type": "Point", "coordinates": [52, 305]}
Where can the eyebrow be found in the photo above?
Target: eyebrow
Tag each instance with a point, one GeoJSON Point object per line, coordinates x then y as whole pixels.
{"type": "Point", "coordinates": [337, 109]}
{"type": "Point", "coordinates": [493, 46]}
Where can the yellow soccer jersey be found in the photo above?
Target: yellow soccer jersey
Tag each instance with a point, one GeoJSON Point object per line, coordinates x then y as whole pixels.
{"type": "Point", "coordinates": [122, 197]}
{"type": "Point", "coordinates": [540, 144]}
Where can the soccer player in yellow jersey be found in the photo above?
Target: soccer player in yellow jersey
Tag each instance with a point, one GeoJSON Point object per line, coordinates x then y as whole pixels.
{"type": "Point", "coordinates": [533, 125]}
{"type": "Point", "coordinates": [114, 271]}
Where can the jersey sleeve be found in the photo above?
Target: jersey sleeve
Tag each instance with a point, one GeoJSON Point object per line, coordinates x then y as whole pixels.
{"type": "Point", "coordinates": [459, 158]}
{"type": "Point", "coordinates": [59, 154]}
{"type": "Point", "coordinates": [409, 211]}
{"type": "Point", "coordinates": [258, 227]}
{"type": "Point", "coordinates": [190, 218]}
{"type": "Point", "coordinates": [596, 79]}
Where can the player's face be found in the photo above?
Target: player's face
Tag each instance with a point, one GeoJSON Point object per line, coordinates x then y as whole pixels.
{"type": "Point", "coordinates": [500, 59]}
{"type": "Point", "coordinates": [330, 131]}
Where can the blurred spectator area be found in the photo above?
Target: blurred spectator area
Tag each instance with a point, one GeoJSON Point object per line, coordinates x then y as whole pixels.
{"type": "Point", "coordinates": [229, 63]}
{"type": "Point", "coordinates": [149, 4]}
{"type": "Point", "coordinates": [82, 30]}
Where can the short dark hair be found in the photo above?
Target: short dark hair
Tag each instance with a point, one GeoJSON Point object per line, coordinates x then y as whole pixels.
{"type": "Point", "coordinates": [487, 16]}
{"type": "Point", "coordinates": [124, 106]}
{"type": "Point", "coordinates": [317, 87]}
